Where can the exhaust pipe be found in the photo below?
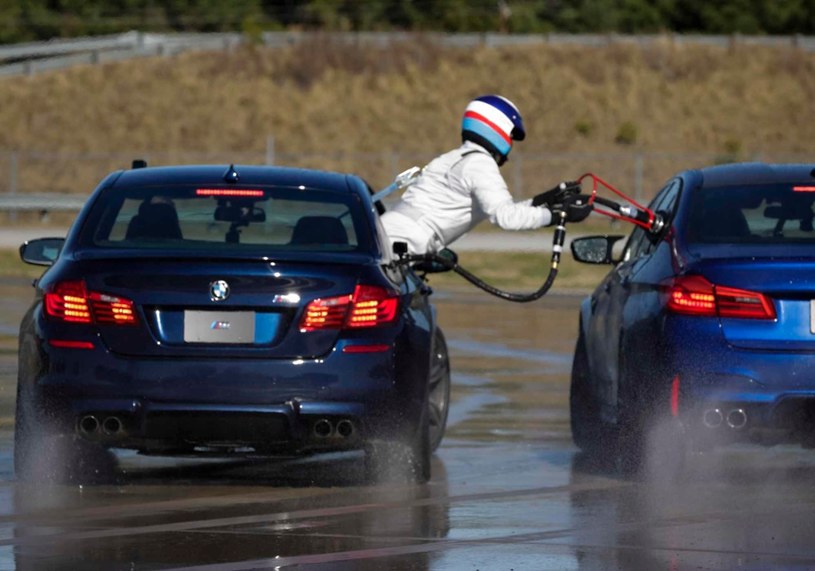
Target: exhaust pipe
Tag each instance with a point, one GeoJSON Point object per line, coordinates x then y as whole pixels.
{"type": "Point", "coordinates": [112, 425]}
{"type": "Point", "coordinates": [323, 428]}
{"type": "Point", "coordinates": [736, 419]}
{"type": "Point", "coordinates": [712, 418]}
{"type": "Point", "coordinates": [88, 424]}
{"type": "Point", "coordinates": [345, 428]}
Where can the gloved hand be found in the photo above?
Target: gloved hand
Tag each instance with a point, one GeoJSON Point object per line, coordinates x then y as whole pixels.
{"type": "Point", "coordinates": [557, 194]}
{"type": "Point", "coordinates": [576, 207]}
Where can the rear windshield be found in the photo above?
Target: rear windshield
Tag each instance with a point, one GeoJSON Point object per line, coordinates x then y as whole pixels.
{"type": "Point", "coordinates": [777, 214]}
{"type": "Point", "coordinates": [234, 220]}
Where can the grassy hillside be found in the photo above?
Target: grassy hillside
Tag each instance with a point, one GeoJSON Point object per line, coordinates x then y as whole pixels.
{"type": "Point", "coordinates": [324, 98]}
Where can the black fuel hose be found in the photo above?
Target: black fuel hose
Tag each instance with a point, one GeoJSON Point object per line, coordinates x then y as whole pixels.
{"type": "Point", "coordinates": [557, 247]}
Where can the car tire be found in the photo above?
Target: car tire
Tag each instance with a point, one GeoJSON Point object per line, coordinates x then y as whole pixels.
{"type": "Point", "coordinates": [438, 389]}
{"type": "Point", "coordinates": [584, 414]}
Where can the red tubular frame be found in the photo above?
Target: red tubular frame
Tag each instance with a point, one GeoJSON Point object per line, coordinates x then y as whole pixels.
{"type": "Point", "coordinates": [597, 181]}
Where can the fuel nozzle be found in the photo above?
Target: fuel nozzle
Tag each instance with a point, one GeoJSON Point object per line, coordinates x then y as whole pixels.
{"type": "Point", "coordinates": [652, 221]}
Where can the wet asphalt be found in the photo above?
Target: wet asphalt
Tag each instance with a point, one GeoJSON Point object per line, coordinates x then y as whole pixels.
{"type": "Point", "coordinates": [509, 490]}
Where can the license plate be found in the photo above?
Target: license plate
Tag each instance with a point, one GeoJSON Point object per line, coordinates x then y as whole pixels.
{"type": "Point", "coordinates": [219, 326]}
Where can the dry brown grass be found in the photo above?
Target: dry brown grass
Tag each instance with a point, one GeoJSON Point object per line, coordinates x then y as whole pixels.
{"type": "Point", "coordinates": [328, 97]}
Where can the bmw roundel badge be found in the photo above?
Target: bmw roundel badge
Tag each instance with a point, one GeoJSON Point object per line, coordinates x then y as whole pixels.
{"type": "Point", "coordinates": [218, 290]}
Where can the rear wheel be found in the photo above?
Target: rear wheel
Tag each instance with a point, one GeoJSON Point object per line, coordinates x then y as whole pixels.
{"type": "Point", "coordinates": [438, 390]}
{"type": "Point", "coordinates": [587, 428]}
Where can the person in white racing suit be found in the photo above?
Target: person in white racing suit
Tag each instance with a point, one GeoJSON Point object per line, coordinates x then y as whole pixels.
{"type": "Point", "coordinates": [462, 187]}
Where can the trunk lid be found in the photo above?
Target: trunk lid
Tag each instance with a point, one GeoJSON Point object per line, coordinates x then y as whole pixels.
{"type": "Point", "coordinates": [790, 285]}
{"type": "Point", "coordinates": [195, 308]}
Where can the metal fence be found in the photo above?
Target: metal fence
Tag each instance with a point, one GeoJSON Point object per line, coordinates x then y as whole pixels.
{"type": "Point", "coordinates": [53, 181]}
{"type": "Point", "coordinates": [36, 57]}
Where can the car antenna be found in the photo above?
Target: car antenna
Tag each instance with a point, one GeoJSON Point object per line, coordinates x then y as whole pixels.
{"type": "Point", "coordinates": [231, 175]}
{"type": "Point", "coordinates": [138, 164]}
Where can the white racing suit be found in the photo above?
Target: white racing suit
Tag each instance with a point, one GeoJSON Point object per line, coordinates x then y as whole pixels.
{"type": "Point", "coordinates": [456, 191]}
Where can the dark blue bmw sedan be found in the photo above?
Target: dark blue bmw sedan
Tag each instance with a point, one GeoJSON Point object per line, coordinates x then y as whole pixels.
{"type": "Point", "coordinates": [707, 326]}
{"type": "Point", "coordinates": [220, 310]}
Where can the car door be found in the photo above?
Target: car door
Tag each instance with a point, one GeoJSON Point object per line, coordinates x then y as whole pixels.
{"type": "Point", "coordinates": [608, 303]}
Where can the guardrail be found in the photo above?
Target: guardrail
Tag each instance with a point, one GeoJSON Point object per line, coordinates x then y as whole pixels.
{"type": "Point", "coordinates": [41, 202]}
{"type": "Point", "coordinates": [45, 182]}
{"type": "Point", "coordinates": [35, 57]}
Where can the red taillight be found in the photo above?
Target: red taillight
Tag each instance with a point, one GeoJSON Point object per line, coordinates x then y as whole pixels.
{"type": "Point", "coordinates": [111, 309]}
{"type": "Point", "coordinates": [328, 313]}
{"type": "Point", "coordinates": [70, 301]}
{"type": "Point", "coordinates": [368, 306]}
{"type": "Point", "coordinates": [694, 295]}
{"type": "Point", "coordinates": [372, 306]}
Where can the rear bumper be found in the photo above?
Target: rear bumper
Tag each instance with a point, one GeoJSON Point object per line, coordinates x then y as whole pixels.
{"type": "Point", "coordinates": [253, 405]}
{"type": "Point", "coordinates": [291, 427]}
{"type": "Point", "coordinates": [730, 394]}
{"type": "Point", "coordinates": [784, 418]}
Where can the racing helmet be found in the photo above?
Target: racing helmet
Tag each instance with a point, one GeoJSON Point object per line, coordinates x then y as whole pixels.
{"type": "Point", "coordinates": [493, 122]}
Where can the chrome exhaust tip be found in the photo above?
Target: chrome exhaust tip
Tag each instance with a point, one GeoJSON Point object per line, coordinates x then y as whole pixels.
{"type": "Point", "coordinates": [736, 419]}
{"type": "Point", "coordinates": [88, 424]}
{"type": "Point", "coordinates": [112, 425]}
{"type": "Point", "coordinates": [323, 428]}
{"type": "Point", "coordinates": [712, 418]}
{"type": "Point", "coordinates": [345, 428]}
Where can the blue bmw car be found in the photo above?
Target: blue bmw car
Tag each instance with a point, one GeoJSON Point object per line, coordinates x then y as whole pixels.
{"type": "Point", "coordinates": [221, 310]}
{"type": "Point", "coordinates": [708, 325]}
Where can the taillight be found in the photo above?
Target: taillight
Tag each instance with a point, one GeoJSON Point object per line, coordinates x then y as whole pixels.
{"type": "Point", "coordinates": [71, 301]}
{"type": "Point", "coordinates": [111, 309]}
{"type": "Point", "coordinates": [328, 313]}
{"type": "Point", "coordinates": [368, 306]}
{"type": "Point", "coordinates": [372, 306]}
{"type": "Point", "coordinates": [695, 295]}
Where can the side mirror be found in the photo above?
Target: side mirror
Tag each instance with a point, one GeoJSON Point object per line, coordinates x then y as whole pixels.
{"type": "Point", "coordinates": [42, 251]}
{"type": "Point", "coordinates": [595, 249]}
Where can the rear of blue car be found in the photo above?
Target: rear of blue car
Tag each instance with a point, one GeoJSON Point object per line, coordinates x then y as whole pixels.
{"type": "Point", "coordinates": [707, 326]}
{"type": "Point", "coordinates": [742, 320]}
{"type": "Point", "coordinates": [186, 315]}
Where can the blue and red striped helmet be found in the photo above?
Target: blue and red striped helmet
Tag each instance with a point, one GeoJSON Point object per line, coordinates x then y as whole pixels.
{"type": "Point", "coordinates": [493, 122]}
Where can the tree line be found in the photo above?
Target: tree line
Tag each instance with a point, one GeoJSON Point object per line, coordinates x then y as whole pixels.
{"type": "Point", "coordinates": [33, 20]}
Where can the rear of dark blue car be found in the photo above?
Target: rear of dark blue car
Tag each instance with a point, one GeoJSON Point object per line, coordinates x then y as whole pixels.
{"type": "Point", "coordinates": [189, 313]}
